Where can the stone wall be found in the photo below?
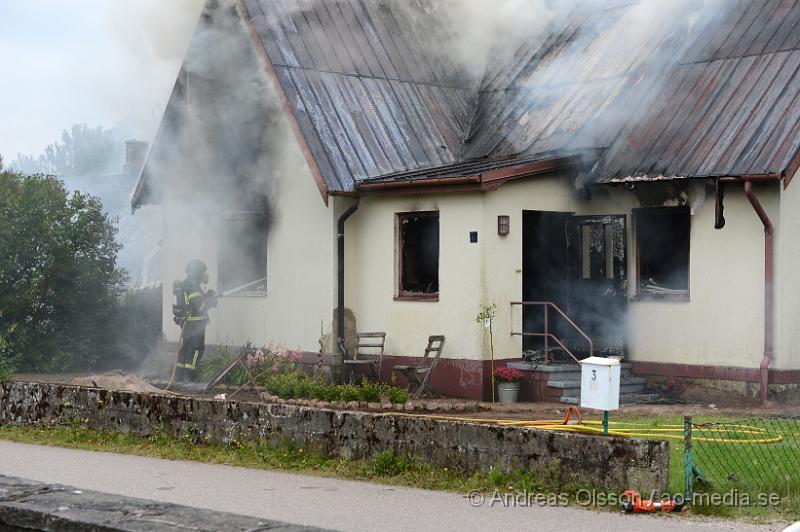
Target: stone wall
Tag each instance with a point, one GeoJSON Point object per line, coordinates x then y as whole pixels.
{"type": "Point", "coordinates": [607, 462]}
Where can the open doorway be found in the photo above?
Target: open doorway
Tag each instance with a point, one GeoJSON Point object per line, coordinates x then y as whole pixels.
{"type": "Point", "coordinates": [545, 265]}
{"type": "Point", "coordinates": [598, 294]}
{"type": "Point", "coordinates": [578, 263]}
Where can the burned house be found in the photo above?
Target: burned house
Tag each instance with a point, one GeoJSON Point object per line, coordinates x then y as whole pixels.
{"type": "Point", "coordinates": [324, 155]}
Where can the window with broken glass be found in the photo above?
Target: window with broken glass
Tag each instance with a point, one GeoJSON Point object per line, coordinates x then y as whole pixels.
{"type": "Point", "coordinates": [662, 238]}
{"type": "Point", "coordinates": [242, 254]}
{"type": "Point", "coordinates": [418, 256]}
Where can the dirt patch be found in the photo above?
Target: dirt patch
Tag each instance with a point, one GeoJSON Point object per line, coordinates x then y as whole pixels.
{"type": "Point", "coordinates": [117, 380]}
{"type": "Point", "coordinates": [709, 395]}
{"type": "Point", "coordinates": [787, 394]}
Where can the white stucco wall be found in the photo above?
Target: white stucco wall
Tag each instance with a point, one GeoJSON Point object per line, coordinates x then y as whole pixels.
{"type": "Point", "coordinates": [721, 324]}
{"type": "Point", "coordinates": [301, 256]}
{"type": "Point", "coordinates": [301, 240]}
{"type": "Point", "coordinates": [503, 254]}
{"type": "Point", "coordinates": [787, 288]}
{"type": "Point", "coordinates": [370, 280]}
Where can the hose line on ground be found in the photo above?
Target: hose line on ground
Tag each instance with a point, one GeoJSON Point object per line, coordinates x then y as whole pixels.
{"type": "Point", "coordinates": [744, 435]}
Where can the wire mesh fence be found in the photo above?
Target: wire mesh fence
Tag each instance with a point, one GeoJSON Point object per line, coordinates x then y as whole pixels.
{"type": "Point", "coordinates": [751, 455]}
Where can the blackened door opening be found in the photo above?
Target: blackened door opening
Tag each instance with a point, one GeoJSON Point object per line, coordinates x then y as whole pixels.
{"type": "Point", "coordinates": [598, 297]}
{"type": "Point", "coordinates": [578, 263]}
{"type": "Point", "coordinates": [545, 268]}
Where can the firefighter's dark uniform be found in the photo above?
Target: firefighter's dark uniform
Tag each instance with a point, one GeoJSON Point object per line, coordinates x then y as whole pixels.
{"type": "Point", "coordinates": [192, 316]}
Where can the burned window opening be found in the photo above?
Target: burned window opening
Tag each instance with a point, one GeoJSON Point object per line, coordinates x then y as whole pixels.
{"type": "Point", "coordinates": [418, 250]}
{"type": "Point", "coordinates": [597, 251]}
{"type": "Point", "coordinates": [662, 238]}
{"type": "Point", "coordinates": [242, 253]}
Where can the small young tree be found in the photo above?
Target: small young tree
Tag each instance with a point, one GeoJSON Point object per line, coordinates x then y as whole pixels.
{"type": "Point", "coordinates": [58, 282]}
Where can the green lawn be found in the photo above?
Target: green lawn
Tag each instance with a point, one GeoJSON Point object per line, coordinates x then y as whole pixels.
{"type": "Point", "coordinates": [735, 463]}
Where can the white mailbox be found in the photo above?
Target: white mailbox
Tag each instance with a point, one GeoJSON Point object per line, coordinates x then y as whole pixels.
{"type": "Point", "coordinates": [600, 383]}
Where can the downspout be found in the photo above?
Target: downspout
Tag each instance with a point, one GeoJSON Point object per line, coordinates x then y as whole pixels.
{"type": "Point", "coordinates": [340, 287]}
{"type": "Point", "coordinates": [769, 288]}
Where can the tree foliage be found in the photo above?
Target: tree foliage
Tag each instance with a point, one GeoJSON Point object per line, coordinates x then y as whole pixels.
{"type": "Point", "coordinates": [82, 151]}
{"type": "Point", "coordinates": [59, 284]}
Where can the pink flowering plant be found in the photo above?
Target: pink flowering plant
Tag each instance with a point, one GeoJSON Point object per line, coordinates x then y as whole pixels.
{"type": "Point", "coordinates": [278, 369]}
{"type": "Point", "coordinates": [509, 375]}
{"type": "Point", "coordinates": [267, 360]}
{"type": "Point", "coordinates": [273, 359]}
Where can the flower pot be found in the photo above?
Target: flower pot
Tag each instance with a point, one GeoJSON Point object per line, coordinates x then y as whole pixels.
{"type": "Point", "coordinates": [507, 392]}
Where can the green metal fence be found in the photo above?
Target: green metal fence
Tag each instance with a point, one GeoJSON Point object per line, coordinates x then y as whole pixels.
{"type": "Point", "coordinates": [750, 456]}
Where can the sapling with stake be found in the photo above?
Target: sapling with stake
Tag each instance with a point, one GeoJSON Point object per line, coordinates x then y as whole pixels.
{"type": "Point", "coordinates": [486, 316]}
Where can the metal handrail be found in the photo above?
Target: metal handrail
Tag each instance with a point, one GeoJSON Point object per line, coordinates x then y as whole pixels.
{"type": "Point", "coordinates": [547, 334]}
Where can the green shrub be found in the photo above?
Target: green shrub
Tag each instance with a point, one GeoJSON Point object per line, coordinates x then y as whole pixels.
{"type": "Point", "coordinates": [497, 478]}
{"type": "Point", "coordinates": [330, 393]}
{"type": "Point", "coordinates": [298, 385]}
{"type": "Point", "coordinates": [284, 379]}
{"type": "Point", "coordinates": [294, 385]}
{"type": "Point", "coordinates": [350, 392]}
{"type": "Point", "coordinates": [397, 395]}
{"type": "Point", "coordinates": [6, 357]}
{"type": "Point", "coordinates": [387, 464]}
{"type": "Point", "coordinates": [303, 388]}
{"type": "Point", "coordinates": [370, 392]}
{"type": "Point", "coordinates": [58, 278]}
{"type": "Point", "coordinates": [211, 367]}
{"type": "Point", "coordinates": [6, 370]}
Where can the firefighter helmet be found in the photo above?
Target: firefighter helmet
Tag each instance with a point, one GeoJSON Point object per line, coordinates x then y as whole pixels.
{"type": "Point", "coordinates": [196, 270]}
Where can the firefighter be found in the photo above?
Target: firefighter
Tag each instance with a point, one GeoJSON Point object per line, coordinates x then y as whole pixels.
{"type": "Point", "coordinates": [191, 313]}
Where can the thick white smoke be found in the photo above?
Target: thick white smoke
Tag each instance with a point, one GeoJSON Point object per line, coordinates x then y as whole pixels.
{"type": "Point", "coordinates": [153, 36]}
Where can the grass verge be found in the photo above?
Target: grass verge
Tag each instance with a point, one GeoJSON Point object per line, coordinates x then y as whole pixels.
{"type": "Point", "coordinates": [387, 468]}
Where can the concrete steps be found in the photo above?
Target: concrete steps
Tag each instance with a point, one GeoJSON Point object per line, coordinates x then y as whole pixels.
{"type": "Point", "coordinates": [628, 387]}
{"type": "Point", "coordinates": [563, 383]}
{"type": "Point", "coordinates": [558, 372]}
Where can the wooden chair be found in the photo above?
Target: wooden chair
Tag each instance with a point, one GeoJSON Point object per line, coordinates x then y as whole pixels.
{"type": "Point", "coordinates": [420, 375]}
{"type": "Point", "coordinates": [369, 354]}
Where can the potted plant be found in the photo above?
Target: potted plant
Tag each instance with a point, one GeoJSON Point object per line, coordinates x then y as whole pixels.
{"type": "Point", "coordinates": [508, 382]}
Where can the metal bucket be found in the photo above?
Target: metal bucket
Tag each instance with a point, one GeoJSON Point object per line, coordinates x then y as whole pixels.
{"type": "Point", "coordinates": [507, 392]}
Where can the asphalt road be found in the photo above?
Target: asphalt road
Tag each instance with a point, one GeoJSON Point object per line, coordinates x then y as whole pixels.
{"type": "Point", "coordinates": [322, 502]}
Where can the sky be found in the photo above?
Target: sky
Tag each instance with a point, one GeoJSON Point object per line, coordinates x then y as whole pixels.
{"type": "Point", "coordinates": [99, 62]}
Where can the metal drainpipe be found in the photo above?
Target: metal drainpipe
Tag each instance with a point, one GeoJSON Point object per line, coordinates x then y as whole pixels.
{"type": "Point", "coordinates": [769, 288]}
{"type": "Point", "coordinates": [340, 288]}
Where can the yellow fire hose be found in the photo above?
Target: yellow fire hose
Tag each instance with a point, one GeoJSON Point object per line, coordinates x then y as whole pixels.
{"type": "Point", "coordinates": [177, 356]}
{"type": "Point", "coordinates": [742, 435]}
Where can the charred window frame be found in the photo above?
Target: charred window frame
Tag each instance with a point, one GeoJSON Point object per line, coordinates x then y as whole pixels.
{"type": "Point", "coordinates": [662, 252]}
{"type": "Point", "coordinates": [417, 256]}
{"type": "Point", "coordinates": [242, 253]}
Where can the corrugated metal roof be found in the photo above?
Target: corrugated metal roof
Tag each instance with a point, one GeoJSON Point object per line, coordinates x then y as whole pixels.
{"type": "Point", "coordinates": [713, 93]}
{"type": "Point", "coordinates": [731, 107]}
{"type": "Point", "coordinates": [716, 95]}
{"type": "Point", "coordinates": [710, 94]}
{"type": "Point", "coordinates": [365, 90]}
